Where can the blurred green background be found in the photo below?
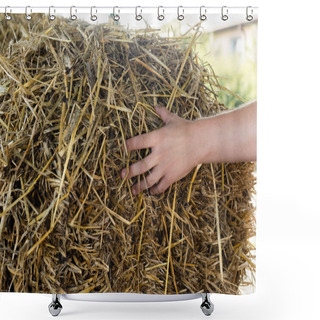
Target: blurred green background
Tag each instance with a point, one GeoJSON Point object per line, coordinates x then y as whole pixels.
{"type": "Point", "coordinates": [231, 49]}
{"type": "Point", "coordinates": [232, 52]}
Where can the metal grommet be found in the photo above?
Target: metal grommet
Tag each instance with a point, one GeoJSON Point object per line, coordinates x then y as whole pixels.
{"type": "Point", "coordinates": [51, 16]}
{"type": "Point", "coordinates": [93, 17]}
{"type": "Point", "coordinates": [249, 17]}
{"type": "Point", "coordinates": [160, 16]}
{"type": "Point", "coordinates": [224, 13]}
{"type": "Point", "coordinates": [138, 16]}
{"type": "Point", "coordinates": [116, 16]}
{"type": "Point", "coordinates": [28, 16]}
{"type": "Point", "coordinates": [7, 16]}
{"type": "Point", "coordinates": [180, 15]}
{"type": "Point", "coordinates": [72, 15]}
{"type": "Point", "coordinates": [203, 16]}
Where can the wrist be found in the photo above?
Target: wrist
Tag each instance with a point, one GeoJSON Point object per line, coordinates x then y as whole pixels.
{"type": "Point", "coordinates": [205, 135]}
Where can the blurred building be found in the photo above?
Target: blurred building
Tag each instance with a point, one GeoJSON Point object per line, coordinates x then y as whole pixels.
{"type": "Point", "coordinates": [238, 39]}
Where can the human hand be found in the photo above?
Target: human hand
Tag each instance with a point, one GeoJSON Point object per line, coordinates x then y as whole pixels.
{"type": "Point", "coordinates": [173, 156]}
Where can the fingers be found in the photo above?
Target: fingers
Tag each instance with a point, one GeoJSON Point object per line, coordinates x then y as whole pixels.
{"type": "Point", "coordinates": [140, 167]}
{"type": "Point", "coordinates": [146, 182]}
{"type": "Point", "coordinates": [164, 113]}
{"type": "Point", "coordinates": [162, 185]}
{"type": "Point", "coordinates": [148, 140]}
{"type": "Point", "coordinates": [142, 141]}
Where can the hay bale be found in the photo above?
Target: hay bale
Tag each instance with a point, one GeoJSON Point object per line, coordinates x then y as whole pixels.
{"type": "Point", "coordinates": [70, 94]}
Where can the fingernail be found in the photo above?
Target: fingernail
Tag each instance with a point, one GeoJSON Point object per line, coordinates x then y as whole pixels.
{"type": "Point", "coordinates": [134, 192]}
{"type": "Point", "coordinates": [123, 173]}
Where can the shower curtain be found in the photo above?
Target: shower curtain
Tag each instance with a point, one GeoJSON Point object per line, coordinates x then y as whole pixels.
{"type": "Point", "coordinates": [113, 174]}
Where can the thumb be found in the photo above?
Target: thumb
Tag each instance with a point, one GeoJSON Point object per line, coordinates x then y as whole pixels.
{"type": "Point", "coordinates": [164, 113]}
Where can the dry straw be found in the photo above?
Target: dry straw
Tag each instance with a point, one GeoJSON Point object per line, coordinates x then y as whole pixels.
{"type": "Point", "coordinates": [70, 94]}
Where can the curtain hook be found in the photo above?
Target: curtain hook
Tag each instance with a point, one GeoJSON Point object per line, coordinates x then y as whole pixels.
{"type": "Point", "coordinates": [7, 16]}
{"type": "Point", "coordinates": [249, 16]}
{"type": "Point", "coordinates": [73, 16]}
{"type": "Point", "coordinates": [203, 16]}
{"type": "Point", "coordinates": [51, 16]}
{"type": "Point", "coordinates": [138, 16]}
{"type": "Point", "coordinates": [28, 16]}
{"type": "Point", "coordinates": [180, 15]}
{"type": "Point", "coordinates": [224, 13]}
{"type": "Point", "coordinates": [160, 16]}
{"type": "Point", "coordinates": [93, 16]}
{"type": "Point", "coordinates": [116, 16]}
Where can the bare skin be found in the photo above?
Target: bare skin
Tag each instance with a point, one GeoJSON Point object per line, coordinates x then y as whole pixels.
{"type": "Point", "coordinates": [181, 145]}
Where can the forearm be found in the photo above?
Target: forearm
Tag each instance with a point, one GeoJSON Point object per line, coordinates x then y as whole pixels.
{"type": "Point", "coordinates": [229, 137]}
